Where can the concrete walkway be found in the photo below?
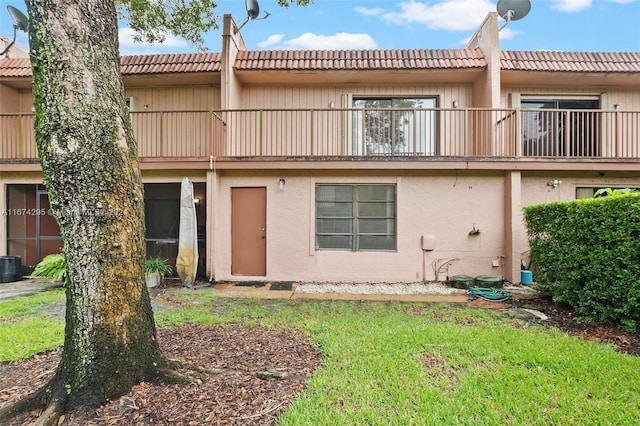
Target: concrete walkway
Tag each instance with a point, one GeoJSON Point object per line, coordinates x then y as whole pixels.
{"type": "Point", "coordinates": [265, 292]}
{"type": "Point", "coordinates": [30, 286]}
{"type": "Point", "coordinates": [26, 287]}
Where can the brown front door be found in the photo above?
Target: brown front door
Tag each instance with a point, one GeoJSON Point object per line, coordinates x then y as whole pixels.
{"type": "Point", "coordinates": [249, 231]}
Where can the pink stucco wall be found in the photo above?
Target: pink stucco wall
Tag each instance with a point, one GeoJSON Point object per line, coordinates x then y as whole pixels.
{"type": "Point", "coordinates": [446, 206]}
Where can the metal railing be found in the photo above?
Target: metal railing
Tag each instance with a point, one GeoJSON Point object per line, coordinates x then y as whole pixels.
{"type": "Point", "coordinates": [386, 133]}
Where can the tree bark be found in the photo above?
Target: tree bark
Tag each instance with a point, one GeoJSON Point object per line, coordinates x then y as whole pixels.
{"type": "Point", "coordinates": [90, 168]}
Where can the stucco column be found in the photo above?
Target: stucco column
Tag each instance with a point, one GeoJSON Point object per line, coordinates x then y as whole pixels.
{"type": "Point", "coordinates": [513, 228]}
{"type": "Point", "coordinates": [212, 194]}
{"type": "Point", "coordinates": [3, 225]}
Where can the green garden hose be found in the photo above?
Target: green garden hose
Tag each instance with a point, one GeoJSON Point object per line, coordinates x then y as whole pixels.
{"type": "Point", "coordinates": [489, 294]}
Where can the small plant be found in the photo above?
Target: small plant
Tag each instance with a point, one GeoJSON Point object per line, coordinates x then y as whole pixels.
{"type": "Point", "coordinates": [53, 266]}
{"type": "Point", "coordinates": [609, 192]}
{"type": "Point", "coordinates": [157, 266]}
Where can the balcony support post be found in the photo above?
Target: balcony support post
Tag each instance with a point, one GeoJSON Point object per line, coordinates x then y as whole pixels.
{"type": "Point", "coordinates": [518, 134]}
{"type": "Point", "coordinates": [260, 124]}
{"type": "Point", "coordinates": [312, 114]}
{"type": "Point", "coordinates": [161, 138]}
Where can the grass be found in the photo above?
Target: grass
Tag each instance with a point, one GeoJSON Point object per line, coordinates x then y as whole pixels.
{"type": "Point", "coordinates": [388, 363]}
{"type": "Point", "coordinates": [26, 329]}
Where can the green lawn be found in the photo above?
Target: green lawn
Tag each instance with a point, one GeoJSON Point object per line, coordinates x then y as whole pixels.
{"type": "Point", "coordinates": [25, 327]}
{"type": "Point", "coordinates": [402, 364]}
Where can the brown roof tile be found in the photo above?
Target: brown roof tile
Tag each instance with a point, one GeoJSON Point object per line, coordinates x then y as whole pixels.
{"type": "Point", "coordinates": [597, 62]}
{"type": "Point", "coordinates": [170, 63]}
{"type": "Point", "coordinates": [15, 67]}
{"type": "Point", "coordinates": [135, 64]}
{"type": "Point", "coordinates": [333, 60]}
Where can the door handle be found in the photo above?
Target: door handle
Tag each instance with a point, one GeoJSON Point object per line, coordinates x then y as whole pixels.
{"type": "Point", "coordinates": [263, 233]}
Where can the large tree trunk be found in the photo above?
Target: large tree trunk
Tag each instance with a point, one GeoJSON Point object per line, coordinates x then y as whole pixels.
{"type": "Point", "coordinates": [88, 155]}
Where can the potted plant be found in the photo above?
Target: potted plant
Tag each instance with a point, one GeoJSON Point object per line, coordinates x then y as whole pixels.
{"type": "Point", "coordinates": [53, 267]}
{"type": "Point", "coordinates": [154, 270]}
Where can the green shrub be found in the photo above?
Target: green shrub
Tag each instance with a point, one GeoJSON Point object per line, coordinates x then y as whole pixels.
{"type": "Point", "coordinates": [53, 266]}
{"type": "Point", "coordinates": [586, 253]}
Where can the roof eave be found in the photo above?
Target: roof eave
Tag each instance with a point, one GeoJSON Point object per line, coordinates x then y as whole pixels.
{"type": "Point", "coordinates": [384, 76]}
{"type": "Point", "coordinates": [568, 79]}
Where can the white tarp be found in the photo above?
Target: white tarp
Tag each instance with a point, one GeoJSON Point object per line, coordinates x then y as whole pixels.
{"type": "Point", "coordinates": [187, 261]}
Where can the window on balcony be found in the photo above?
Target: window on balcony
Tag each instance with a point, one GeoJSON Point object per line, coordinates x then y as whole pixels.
{"type": "Point", "coordinates": [560, 128]}
{"type": "Point", "coordinates": [394, 126]}
{"type": "Point", "coordinates": [356, 217]}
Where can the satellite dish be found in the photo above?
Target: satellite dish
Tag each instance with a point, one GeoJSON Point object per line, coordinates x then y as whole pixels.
{"type": "Point", "coordinates": [21, 22]}
{"type": "Point", "coordinates": [253, 10]}
{"type": "Point", "coordinates": [513, 10]}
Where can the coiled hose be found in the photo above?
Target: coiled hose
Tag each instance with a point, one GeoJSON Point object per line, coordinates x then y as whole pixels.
{"type": "Point", "coordinates": [489, 294]}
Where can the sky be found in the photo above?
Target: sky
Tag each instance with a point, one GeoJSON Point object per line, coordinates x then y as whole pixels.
{"type": "Point", "coordinates": [557, 25]}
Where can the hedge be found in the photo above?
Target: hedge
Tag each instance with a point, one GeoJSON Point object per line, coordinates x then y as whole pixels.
{"type": "Point", "coordinates": [586, 253]}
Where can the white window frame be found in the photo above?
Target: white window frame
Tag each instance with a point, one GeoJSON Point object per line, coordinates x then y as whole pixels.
{"type": "Point", "coordinates": [421, 143]}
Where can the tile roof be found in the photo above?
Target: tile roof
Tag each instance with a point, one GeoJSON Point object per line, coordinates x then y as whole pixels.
{"type": "Point", "coordinates": [309, 60]}
{"type": "Point", "coordinates": [346, 60]}
{"type": "Point", "coordinates": [170, 63]}
{"type": "Point", "coordinates": [135, 64]}
{"type": "Point", "coordinates": [594, 62]}
{"type": "Point", "coordinates": [15, 67]}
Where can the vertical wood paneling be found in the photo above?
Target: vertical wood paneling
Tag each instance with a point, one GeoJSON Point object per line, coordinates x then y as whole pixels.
{"type": "Point", "coordinates": [175, 98]}
{"type": "Point", "coordinates": [320, 97]}
{"type": "Point", "coordinates": [298, 136]}
{"type": "Point", "coordinates": [174, 134]}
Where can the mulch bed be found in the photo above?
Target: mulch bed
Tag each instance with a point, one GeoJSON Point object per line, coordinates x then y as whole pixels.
{"type": "Point", "coordinates": [242, 399]}
{"type": "Point", "coordinates": [230, 399]}
{"type": "Point", "coordinates": [563, 318]}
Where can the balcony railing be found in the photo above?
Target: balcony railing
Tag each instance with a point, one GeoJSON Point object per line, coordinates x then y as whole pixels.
{"type": "Point", "coordinates": [360, 133]}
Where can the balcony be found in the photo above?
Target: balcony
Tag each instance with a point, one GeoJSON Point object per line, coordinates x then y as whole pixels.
{"type": "Point", "coordinates": [384, 134]}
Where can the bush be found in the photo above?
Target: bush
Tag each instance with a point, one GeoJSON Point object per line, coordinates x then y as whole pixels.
{"type": "Point", "coordinates": [53, 266]}
{"type": "Point", "coordinates": [586, 253]}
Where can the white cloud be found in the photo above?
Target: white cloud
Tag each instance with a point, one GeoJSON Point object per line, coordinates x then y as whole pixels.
{"type": "Point", "coordinates": [130, 47]}
{"type": "Point", "coordinates": [622, 1]}
{"type": "Point", "coordinates": [272, 40]}
{"type": "Point", "coordinates": [310, 41]}
{"type": "Point", "coordinates": [570, 5]}
{"type": "Point", "coordinates": [507, 33]}
{"type": "Point", "coordinates": [451, 15]}
{"type": "Point", "coordinates": [369, 12]}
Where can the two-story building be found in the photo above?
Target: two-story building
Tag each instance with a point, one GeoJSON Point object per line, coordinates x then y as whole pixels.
{"type": "Point", "coordinates": [350, 166]}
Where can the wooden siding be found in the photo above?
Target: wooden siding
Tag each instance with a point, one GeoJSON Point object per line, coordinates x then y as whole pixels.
{"type": "Point", "coordinates": [15, 100]}
{"type": "Point", "coordinates": [305, 97]}
{"type": "Point", "coordinates": [174, 98]}
{"type": "Point", "coordinates": [173, 122]}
